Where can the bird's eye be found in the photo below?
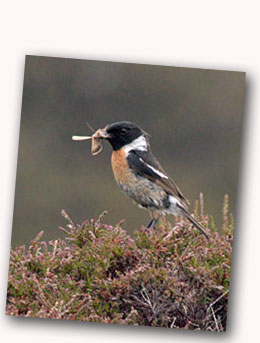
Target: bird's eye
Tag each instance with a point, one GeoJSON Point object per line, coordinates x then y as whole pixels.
{"type": "Point", "coordinates": [123, 131]}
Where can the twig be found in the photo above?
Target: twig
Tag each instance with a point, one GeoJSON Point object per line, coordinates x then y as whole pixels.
{"type": "Point", "coordinates": [147, 299]}
{"type": "Point", "coordinates": [215, 319]}
{"type": "Point", "coordinates": [172, 323]}
{"type": "Point", "coordinates": [215, 301]}
{"type": "Point", "coordinates": [67, 217]}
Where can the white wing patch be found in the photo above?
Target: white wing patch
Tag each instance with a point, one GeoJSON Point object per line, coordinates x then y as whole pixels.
{"type": "Point", "coordinates": [139, 143]}
{"type": "Point", "coordinates": [175, 207]}
{"type": "Point", "coordinates": [156, 171]}
{"type": "Point", "coordinates": [174, 201]}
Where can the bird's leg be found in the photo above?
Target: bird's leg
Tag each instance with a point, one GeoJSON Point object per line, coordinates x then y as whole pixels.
{"type": "Point", "coordinates": [155, 216]}
{"type": "Point", "coordinates": [151, 224]}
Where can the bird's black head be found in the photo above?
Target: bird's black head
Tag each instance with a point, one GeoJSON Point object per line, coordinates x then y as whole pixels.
{"type": "Point", "coordinates": [122, 133]}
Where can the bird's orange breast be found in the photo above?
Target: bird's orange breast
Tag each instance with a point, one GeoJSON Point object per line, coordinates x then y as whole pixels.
{"type": "Point", "coordinates": [120, 167]}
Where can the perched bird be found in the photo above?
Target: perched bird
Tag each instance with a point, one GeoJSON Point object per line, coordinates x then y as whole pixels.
{"type": "Point", "coordinates": [140, 176]}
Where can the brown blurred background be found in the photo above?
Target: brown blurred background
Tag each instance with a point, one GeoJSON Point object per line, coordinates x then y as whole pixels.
{"type": "Point", "coordinates": [194, 117]}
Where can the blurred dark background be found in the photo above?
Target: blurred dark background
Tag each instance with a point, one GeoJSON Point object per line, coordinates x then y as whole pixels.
{"type": "Point", "coordinates": [194, 117]}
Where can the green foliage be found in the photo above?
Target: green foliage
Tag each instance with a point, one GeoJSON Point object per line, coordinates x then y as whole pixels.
{"type": "Point", "coordinates": [168, 277]}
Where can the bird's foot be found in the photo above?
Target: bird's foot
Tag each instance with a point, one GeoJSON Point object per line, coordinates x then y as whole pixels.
{"type": "Point", "coordinates": [151, 224]}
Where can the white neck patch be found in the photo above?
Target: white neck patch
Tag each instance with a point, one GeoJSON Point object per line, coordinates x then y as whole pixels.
{"type": "Point", "coordinates": [140, 143]}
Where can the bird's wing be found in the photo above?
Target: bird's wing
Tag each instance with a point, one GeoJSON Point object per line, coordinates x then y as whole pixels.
{"type": "Point", "coordinates": [144, 163]}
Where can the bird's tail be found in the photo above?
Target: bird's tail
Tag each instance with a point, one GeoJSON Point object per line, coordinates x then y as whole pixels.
{"type": "Point", "coordinates": [194, 221]}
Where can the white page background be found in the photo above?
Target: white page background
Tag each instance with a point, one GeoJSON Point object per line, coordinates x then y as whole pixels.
{"type": "Point", "coordinates": [200, 34]}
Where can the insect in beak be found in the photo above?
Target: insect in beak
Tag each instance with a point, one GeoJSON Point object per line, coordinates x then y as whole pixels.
{"type": "Point", "coordinates": [96, 146]}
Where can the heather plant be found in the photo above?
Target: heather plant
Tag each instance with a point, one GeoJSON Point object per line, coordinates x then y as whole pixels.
{"type": "Point", "coordinates": [170, 276]}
